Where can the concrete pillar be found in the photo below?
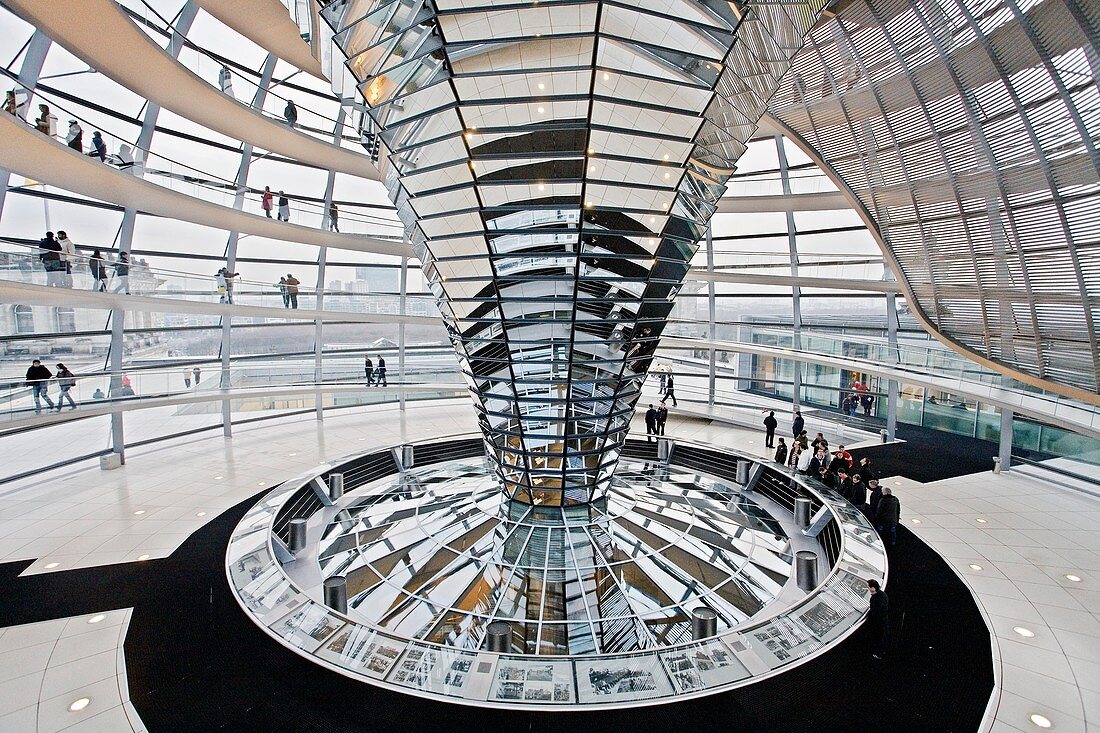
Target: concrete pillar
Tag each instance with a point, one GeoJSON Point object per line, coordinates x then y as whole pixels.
{"type": "Point", "coordinates": [1005, 447]}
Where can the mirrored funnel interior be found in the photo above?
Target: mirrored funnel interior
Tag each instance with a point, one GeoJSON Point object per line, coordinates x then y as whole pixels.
{"type": "Point", "coordinates": [555, 165]}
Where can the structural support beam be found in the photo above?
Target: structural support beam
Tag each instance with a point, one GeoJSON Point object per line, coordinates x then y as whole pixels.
{"type": "Point", "coordinates": [1004, 451]}
{"type": "Point", "coordinates": [796, 291]}
{"type": "Point", "coordinates": [33, 58]}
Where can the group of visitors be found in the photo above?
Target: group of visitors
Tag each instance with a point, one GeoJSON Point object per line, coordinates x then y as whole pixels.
{"type": "Point", "coordinates": [855, 481]}
{"type": "Point", "coordinates": [860, 396]}
{"type": "Point", "coordinates": [58, 256]}
{"type": "Point", "coordinates": [376, 373]}
{"type": "Point", "coordinates": [288, 288]}
{"type": "Point", "coordinates": [655, 419]}
{"type": "Point", "coordinates": [267, 202]}
{"type": "Point", "coordinates": [39, 378]}
{"type": "Point", "coordinates": [224, 279]}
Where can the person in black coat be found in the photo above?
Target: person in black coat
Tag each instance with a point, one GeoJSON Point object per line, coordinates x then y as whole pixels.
{"type": "Point", "coordinates": [864, 470]}
{"type": "Point", "coordinates": [381, 371]}
{"type": "Point", "coordinates": [770, 424]}
{"type": "Point", "coordinates": [878, 619]}
{"type": "Point", "coordinates": [662, 418]}
{"type": "Point", "coordinates": [873, 497]}
{"type": "Point", "coordinates": [781, 453]}
{"type": "Point", "coordinates": [38, 379]}
{"type": "Point", "coordinates": [857, 492]}
{"type": "Point", "coordinates": [49, 251]}
{"type": "Point", "coordinates": [887, 516]}
{"type": "Point", "coordinates": [798, 425]}
{"type": "Point", "coordinates": [650, 423]}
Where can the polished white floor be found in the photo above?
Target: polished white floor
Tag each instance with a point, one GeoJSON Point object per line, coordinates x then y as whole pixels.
{"type": "Point", "coordinates": [1029, 550]}
{"type": "Point", "coordinates": [1033, 535]}
{"type": "Point", "coordinates": [67, 674]}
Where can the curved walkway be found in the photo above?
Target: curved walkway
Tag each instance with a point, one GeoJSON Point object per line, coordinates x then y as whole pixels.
{"type": "Point", "coordinates": [19, 421]}
{"type": "Point", "coordinates": [100, 34]}
{"type": "Point", "coordinates": [268, 24]}
{"type": "Point", "coordinates": [831, 283]}
{"type": "Point", "coordinates": [45, 160]}
{"type": "Point", "coordinates": [825, 201]}
{"type": "Point", "coordinates": [30, 294]}
{"type": "Point", "coordinates": [1057, 411]}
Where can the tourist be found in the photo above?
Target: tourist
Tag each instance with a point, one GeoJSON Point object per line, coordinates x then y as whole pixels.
{"type": "Point", "coordinates": [820, 461]}
{"type": "Point", "coordinates": [38, 379]}
{"type": "Point", "coordinates": [284, 292]}
{"type": "Point", "coordinates": [10, 105]}
{"type": "Point", "coordinates": [66, 380]}
{"type": "Point", "coordinates": [99, 148]}
{"type": "Point", "coordinates": [225, 80]}
{"type": "Point", "coordinates": [284, 207]}
{"type": "Point", "coordinates": [291, 284]}
{"type": "Point", "coordinates": [798, 424]}
{"type": "Point", "coordinates": [878, 619]}
{"type": "Point", "coordinates": [781, 453]}
{"type": "Point", "coordinates": [68, 257]}
{"type": "Point", "coordinates": [268, 201]}
{"type": "Point", "coordinates": [122, 274]}
{"type": "Point", "coordinates": [75, 137]}
{"type": "Point", "coordinates": [99, 272]}
{"type": "Point", "coordinates": [290, 112]}
{"type": "Point", "coordinates": [225, 285]}
{"type": "Point", "coordinates": [381, 381]}
{"type": "Point", "coordinates": [873, 498]}
{"type": "Point", "coordinates": [805, 458]}
{"type": "Point", "coordinates": [98, 394]}
{"type": "Point", "coordinates": [650, 423]}
{"type": "Point", "coordinates": [820, 442]}
{"type": "Point", "coordinates": [333, 218]}
{"type": "Point", "coordinates": [662, 418]}
{"type": "Point", "coordinates": [857, 492]}
{"type": "Point", "coordinates": [864, 469]}
{"type": "Point", "coordinates": [187, 379]}
{"type": "Point", "coordinates": [49, 251]}
{"type": "Point", "coordinates": [770, 424]}
{"type": "Point", "coordinates": [45, 122]}
{"type": "Point", "coordinates": [670, 390]}
{"type": "Point", "coordinates": [198, 376]}
{"type": "Point", "coordinates": [887, 516]}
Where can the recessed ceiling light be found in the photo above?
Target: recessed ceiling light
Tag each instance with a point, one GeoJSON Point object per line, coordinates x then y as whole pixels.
{"type": "Point", "coordinates": [542, 86]}
{"type": "Point", "coordinates": [261, 483]}
{"type": "Point", "coordinates": [52, 565]}
{"type": "Point", "coordinates": [588, 204]}
{"type": "Point", "coordinates": [97, 618]}
{"type": "Point", "coordinates": [591, 169]}
{"type": "Point", "coordinates": [667, 175]}
{"type": "Point", "coordinates": [916, 521]}
{"type": "Point", "coordinates": [1040, 721]}
{"type": "Point", "coordinates": [542, 110]}
{"type": "Point", "coordinates": [79, 704]}
{"type": "Point", "coordinates": [201, 514]}
{"type": "Point", "coordinates": [606, 76]}
{"type": "Point", "coordinates": [591, 151]}
{"type": "Point", "coordinates": [139, 512]}
{"type": "Point", "coordinates": [897, 483]}
{"type": "Point", "coordinates": [1073, 578]}
{"type": "Point", "coordinates": [143, 557]}
{"type": "Point", "coordinates": [975, 567]}
{"type": "Point", "coordinates": [542, 187]}
{"type": "Point", "coordinates": [1026, 633]}
{"type": "Point", "coordinates": [294, 454]}
{"type": "Point", "coordinates": [979, 520]}
{"type": "Point", "coordinates": [218, 478]}
{"type": "Point", "coordinates": [666, 156]}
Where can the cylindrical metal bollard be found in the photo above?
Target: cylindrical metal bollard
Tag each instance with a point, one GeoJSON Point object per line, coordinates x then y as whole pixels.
{"type": "Point", "coordinates": [882, 435]}
{"type": "Point", "coordinates": [743, 472]}
{"type": "Point", "coordinates": [498, 636]}
{"type": "Point", "coordinates": [335, 486]}
{"type": "Point", "coordinates": [802, 513]}
{"type": "Point", "coordinates": [805, 570]}
{"type": "Point", "coordinates": [297, 535]}
{"type": "Point", "coordinates": [996, 464]}
{"type": "Point", "coordinates": [704, 623]}
{"type": "Point", "coordinates": [408, 456]}
{"type": "Point", "coordinates": [336, 593]}
{"type": "Point", "coordinates": [664, 449]}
